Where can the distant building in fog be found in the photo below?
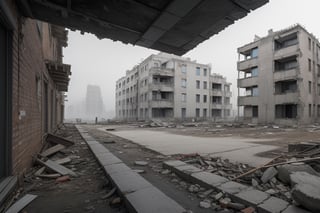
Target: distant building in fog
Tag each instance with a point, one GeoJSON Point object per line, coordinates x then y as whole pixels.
{"type": "Point", "coordinates": [94, 103]}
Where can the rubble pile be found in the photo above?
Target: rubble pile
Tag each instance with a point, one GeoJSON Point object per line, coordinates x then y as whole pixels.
{"type": "Point", "coordinates": [293, 177]}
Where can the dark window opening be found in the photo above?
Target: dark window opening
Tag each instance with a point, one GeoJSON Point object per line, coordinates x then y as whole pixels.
{"type": "Point", "coordinates": [286, 64]}
{"type": "Point", "coordinates": [216, 99]}
{"type": "Point", "coordinates": [286, 41]}
{"type": "Point", "coordinates": [216, 86]}
{"type": "Point", "coordinates": [216, 112]}
{"type": "Point", "coordinates": [285, 86]}
{"type": "Point", "coordinates": [255, 111]}
{"type": "Point", "coordinates": [286, 111]}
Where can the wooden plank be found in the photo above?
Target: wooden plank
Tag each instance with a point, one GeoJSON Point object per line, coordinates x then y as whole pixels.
{"type": "Point", "coordinates": [40, 171]}
{"type": "Point", "coordinates": [58, 140]}
{"type": "Point", "coordinates": [294, 161]}
{"type": "Point", "coordinates": [50, 175]}
{"type": "Point", "coordinates": [63, 161]}
{"type": "Point", "coordinates": [56, 167]}
{"type": "Point", "coordinates": [21, 204]}
{"type": "Point", "coordinates": [52, 150]}
{"type": "Point", "coordinates": [7, 187]}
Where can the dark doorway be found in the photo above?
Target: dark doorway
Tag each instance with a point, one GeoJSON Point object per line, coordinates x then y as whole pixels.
{"type": "Point", "coordinates": [5, 102]}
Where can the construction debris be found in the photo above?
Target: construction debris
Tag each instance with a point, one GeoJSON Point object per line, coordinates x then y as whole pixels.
{"type": "Point", "coordinates": [21, 204]}
{"type": "Point", "coordinates": [141, 163]}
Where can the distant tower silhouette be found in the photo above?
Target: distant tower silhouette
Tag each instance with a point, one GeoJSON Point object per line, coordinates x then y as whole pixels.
{"type": "Point", "coordinates": [94, 104]}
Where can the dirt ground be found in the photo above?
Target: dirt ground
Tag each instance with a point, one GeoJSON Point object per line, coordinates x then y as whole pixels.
{"type": "Point", "coordinates": [84, 193]}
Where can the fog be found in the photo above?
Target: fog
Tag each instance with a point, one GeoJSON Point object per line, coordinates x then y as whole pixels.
{"type": "Point", "coordinates": [102, 62]}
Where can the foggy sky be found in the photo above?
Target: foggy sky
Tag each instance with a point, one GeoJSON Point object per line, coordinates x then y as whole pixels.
{"type": "Point", "coordinates": [102, 62]}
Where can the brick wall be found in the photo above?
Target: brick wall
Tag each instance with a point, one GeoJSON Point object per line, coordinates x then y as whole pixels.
{"type": "Point", "coordinates": [29, 74]}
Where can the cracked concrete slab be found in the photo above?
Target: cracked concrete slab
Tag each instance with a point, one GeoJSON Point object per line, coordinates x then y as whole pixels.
{"type": "Point", "coordinates": [234, 148]}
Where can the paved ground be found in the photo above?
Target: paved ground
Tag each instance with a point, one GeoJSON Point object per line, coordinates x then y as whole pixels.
{"type": "Point", "coordinates": [237, 149]}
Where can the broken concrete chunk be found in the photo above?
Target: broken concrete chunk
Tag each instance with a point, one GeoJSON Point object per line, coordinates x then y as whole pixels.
{"type": "Point", "coordinates": [205, 204]}
{"type": "Point", "coordinates": [141, 163]}
{"type": "Point", "coordinates": [248, 210]}
{"type": "Point", "coordinates": [306, 190]}
{"type": "Point", "coordinates": [269, 174]}
{"type": "Point", "coordinates": [285, 171]}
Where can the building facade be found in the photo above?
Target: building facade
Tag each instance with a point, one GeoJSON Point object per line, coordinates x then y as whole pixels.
{"type": "Point", "coordinates": [94, 103]}
{"type": "Point", "coordinates": [278, 78]}
{"type": "Point", "coordinates": [165, 86]}
{"type": "Point", "coordinates": [33, 80]}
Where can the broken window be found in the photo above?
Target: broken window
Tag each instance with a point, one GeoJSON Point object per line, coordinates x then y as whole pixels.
{"type": "Point", "coordinates": [205, 85]}
{"type": "Point", "coordinates": [204, 98]}
{"type": "Point", "coordinates": [216, 99]}
{"type": "Point", "coordinates": [184, 83]}
{"type": "Point", "coordinates": [286, 86]}
{"type": "Point", "coordinates": [183, 112]}
{"type": "Point", "coordinates": [204, 71]}
{"type": "Point", "coordinates": [198, 84]}
{"type": "Point", "coordinates": [216, 112]}
{"type": "Point", "coordinates": [255, 111]}
{"type": "Point", "coordinates": [310, 87]}
{"type": "Point", "coordinates": [309, 64]}
{"type": "Point", "coordinates": [216, 86]}
{"type": "Point", "coordinates": [286, 111]}
{"type": "Point", "coordinates": [198, 71]}
{"type": "Point", "coordinates": [205, 113]}
{"type": "Point", "coordinates": [183, 97]}
{"type": "Point", "coordinates": [197, 98]}
{"type": "Point", "coordinates": [197, 112]}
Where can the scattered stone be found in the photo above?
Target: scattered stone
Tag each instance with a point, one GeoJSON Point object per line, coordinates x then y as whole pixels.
{"type": "Point", "coordinates": [269, 174]}
{"type": "Point", "coordinates": [248, 210]}
{"type": "Point", "coordinates": [236, 206]}
{"type": "Point", "coordinates": [254, 182]}
{"type": "Point", "coordinates": [205, 204]}
{"type": "Point", "coordinates": [63, 179]}
{"type": "Point", "coordinates": [271, 191]}
{"type": "Point", "coordinates": [306, 190]}
{"type": "Point", "coordinates": [165, 172]}
{"type": "Point", "coordinates": [218, 196]}
{"type": "Point", "coordinates": [174, 180]}
{"type": "Point", "coordinates": [285, 171]}
{"type": "Point", "coordinates": [115, 202]}
{"type": "Point", "coordinates": [205, 193]}
{"type": "Point", "coordinates": [225, 202]}
{"type": "Point", "coordinates": [141, 163]}
{"type": "Point", "coordinates": [193, 189]}
{"type": "Point", "coordinates": [139, 171]}
{"type": "Point", "coordinates": [90, 208]}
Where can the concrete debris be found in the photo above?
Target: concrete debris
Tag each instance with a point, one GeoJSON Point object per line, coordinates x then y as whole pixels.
{"type": "Point", "coordinates": [141, 163]}
{"type": "Point", "coordinates": [194, 188]}
{"type": "Point", "coordinates": [218, 196]}
{"type": "Point", "coordinates": [248, 210]}
{"type": "Point", "coordinates": [269, 174]}
{"type": "Point", "coordinates": [63, 179]}
{"type": "Point", "coordinates": [205, 204]}
{"type": "Point", "coordinates": [306, 190]}
{"type": "Point", "coordinates": [109, 194]}
{"type": "Point", "coordinates": [139, 171]}
{"type": "Point", "coordinates": [165, 172]}
{"type": "Point", "coordinates": [285, 171]}
{"type": "Point", "coordinates": [115, 202]}
{"type": "Point", "coordinates": [205, 193]}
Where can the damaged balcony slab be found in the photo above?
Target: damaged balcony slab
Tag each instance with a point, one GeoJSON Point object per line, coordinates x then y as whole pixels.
{"type": "Point", "coordinates": [139, 194]}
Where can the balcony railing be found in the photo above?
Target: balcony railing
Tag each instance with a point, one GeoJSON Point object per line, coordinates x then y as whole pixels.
{"type": "Point", "coordinates": [247, 100]}
{"type": "Point", "coordinates": [286, 51]}
{"type": "Point", "coordinates": [289, 97]}
{"type": "Point", "coordinates": [247, 82]}
{"type": "Point", "coordinates": [286, 74]}
{"type": "Point", "coordinates": [163, 103]}
{"type": "Point", "coordinates": [247, 64]}
{"type": "Point", "coordinates": [162, 71]}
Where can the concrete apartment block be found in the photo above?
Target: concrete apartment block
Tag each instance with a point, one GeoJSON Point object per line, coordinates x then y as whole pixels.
{"type": "Point", "coordinates": [165, 86]}
{"type": "Point", "coordinates": [278, 78]}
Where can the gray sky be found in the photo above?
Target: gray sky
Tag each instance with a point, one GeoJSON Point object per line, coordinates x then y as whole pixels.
{"type": "Point", "coordinates": [102, 62]}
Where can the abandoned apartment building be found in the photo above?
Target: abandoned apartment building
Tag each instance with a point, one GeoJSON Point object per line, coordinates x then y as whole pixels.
{"type": "Point", "coordinates": [278, 78]}
{"type": "Point", "coordinates": [167, 86]}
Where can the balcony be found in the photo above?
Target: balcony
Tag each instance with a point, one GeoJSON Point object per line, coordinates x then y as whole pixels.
{"type": "Point", "coordinates": [216, 105]}
{"type": "Point", "coordinates": [247, 82]}
{"type": "Point", "coordinates": [227, 93]}
{"type": "Point", "coordinates": [286, 51]}
{"type": "Point", "coordinates": [216, 92]}
{"type": "Point", "coordinates": [162, 103]}
{"type": "Point", "coordinates": [163, 87]}
{"type": "Point", "coordinates": [247, 64]}
{"type": "Point", "coordinates": [286, 74]}
{"type": "Point", "coordinates": [289, 97]}
{"type": "Point", "coordinates": [162, 71]}
{"type": "Point", "coordinates": [248, 100]}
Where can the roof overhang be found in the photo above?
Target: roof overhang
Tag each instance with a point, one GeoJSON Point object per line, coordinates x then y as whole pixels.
{"type": "Point", "coordinates": [173, 26]}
